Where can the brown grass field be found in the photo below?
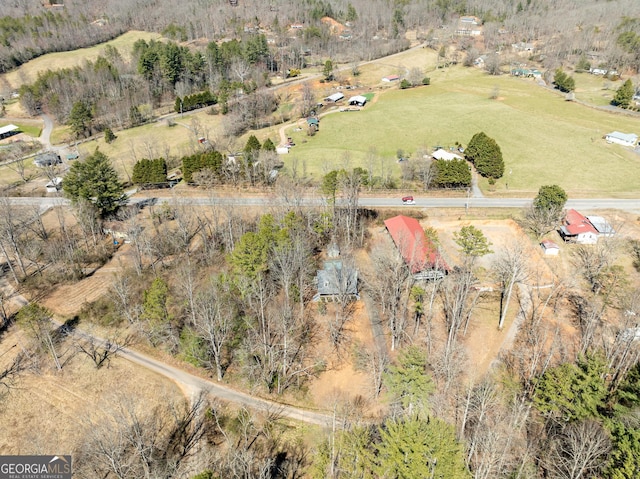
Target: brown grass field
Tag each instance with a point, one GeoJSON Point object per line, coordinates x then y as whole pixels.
{"type": "Point", "coordinates": [55, 409]}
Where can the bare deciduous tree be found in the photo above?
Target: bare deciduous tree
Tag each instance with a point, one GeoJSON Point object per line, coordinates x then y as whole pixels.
{"type": "Point", "coordinates": [392, 286]}
{"type": "Point", "coordinates": [129, 441]}
{"type": "Point", "coordinates": [100, 352]}
{"type": "Point", "coordinates": [511, 268]}
{"type": "Point", "coordinates": [213, 319]}
{"type": "Point", "coordinates": [577, 450]}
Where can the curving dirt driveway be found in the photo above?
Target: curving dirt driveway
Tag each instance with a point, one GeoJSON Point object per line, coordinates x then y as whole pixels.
{"type": "Point", "coordinates": [45, 134]}
{"type": "Point", "coordinates": [190, 383]}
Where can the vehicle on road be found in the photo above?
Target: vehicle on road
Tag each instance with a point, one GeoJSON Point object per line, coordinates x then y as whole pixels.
{"type": "Point", "coordinates": [408, 200]}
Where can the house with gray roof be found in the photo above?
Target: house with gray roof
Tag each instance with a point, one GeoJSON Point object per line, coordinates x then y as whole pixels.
{"type": "Point", "coordinates": [336, 280]}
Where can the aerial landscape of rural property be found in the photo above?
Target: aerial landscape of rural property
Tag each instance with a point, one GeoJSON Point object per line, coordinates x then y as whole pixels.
{"type": "Point", "coordinates": [324, 239]}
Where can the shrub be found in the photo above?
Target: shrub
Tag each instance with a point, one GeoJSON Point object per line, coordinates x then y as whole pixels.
{"type": "Point", "coordinates": [486, 156]}
{"type": "Point", "coordinates": [108, 135]}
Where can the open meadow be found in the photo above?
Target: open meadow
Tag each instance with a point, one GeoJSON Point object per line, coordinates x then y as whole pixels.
{"type": "Point", "coordinates": [544, 138]}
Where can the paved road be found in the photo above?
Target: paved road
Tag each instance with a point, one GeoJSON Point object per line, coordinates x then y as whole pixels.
{"type": "Point", "coordinates": [629, 205]}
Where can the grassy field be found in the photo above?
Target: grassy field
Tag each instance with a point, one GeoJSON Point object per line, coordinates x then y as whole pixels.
{"type": "Point", "coordinates": [28, 127]}
{"type": "Point", "coordinates": [28, 72]}
{"type": "Point", "coordinates": [544, 139]}
{"type": "Point", "coordinates": [156, 140]}
{"type": "Point", "coordinates": [595, 89]}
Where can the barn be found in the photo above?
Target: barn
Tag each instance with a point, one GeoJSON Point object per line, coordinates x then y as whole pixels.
{"type": "Point", "coordinates": [418, 252]}
{"type": "Point", "coordinates": [576, 228]}
{"type": "Point", "coordinates": [358, 100]}
{"type": "Point", "coordinates": [335, 97]}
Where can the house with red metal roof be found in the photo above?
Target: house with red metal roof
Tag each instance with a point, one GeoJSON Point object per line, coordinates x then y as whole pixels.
{"type": "Point", "coordinates": [577, 228]}
{"type": "Point", "coordinates": [418, 252]}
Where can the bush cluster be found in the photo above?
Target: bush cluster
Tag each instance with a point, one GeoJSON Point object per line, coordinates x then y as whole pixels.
{"type": "Point", "coordinates": [149, 171]}
{"type": "Point", "coordinates": [486, 156]}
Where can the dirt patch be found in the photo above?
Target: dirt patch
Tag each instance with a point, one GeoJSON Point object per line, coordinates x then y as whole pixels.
{"type": "Point", "coordinates": [342, 381]}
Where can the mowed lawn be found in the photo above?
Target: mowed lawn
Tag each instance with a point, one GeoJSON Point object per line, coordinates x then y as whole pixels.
{"type": "Point", "coordinates": [544, 139]}
{"type": "Point", "coordinates": [28, 72]}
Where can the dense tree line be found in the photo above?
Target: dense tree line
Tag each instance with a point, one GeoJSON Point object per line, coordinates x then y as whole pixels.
{"type": "Point", "coordinates": [192, 102]}
{"type": "Point", "coordinates": [149, 171]}
{"type": "Point", "coordinates": [26, 37]}
{"type": "Point", "coordinates": [613, 40]}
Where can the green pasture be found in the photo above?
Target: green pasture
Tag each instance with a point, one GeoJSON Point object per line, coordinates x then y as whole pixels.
{"type": "Point", "coordinates": [595, 89]}
{"type": "Point", "coordinates": [31, 128]}
{"type": "Point", "coordinates": [28, 72]}
{"type": "Point", "coordinates": [544, 139]}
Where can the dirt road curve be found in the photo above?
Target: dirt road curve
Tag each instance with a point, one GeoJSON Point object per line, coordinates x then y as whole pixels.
{"type": "Point", "coordinates": [195, 384]}
{"type": "Point", "coordinates": [189, 383]}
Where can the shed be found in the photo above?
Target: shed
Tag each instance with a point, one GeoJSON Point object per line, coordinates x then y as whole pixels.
{"type": "Point", "coordinates": [54, 185]}
{"type": "Point", "coordinates": [550, 248]}
{"type": "Point", "coordinates": [625, 139]}
{"type": "Point", "coordinates": [282, 150]}
{"type": "Point", "coordinates": [313, 121]}
{"type": "Point", "coordinates": [335, 97]}
{"type": "Point", "coordinates": [391, 78]}
{"type": "Point", "coordinates": [7, 131]}
{"type": "Point", "coordinates": [358, 100]}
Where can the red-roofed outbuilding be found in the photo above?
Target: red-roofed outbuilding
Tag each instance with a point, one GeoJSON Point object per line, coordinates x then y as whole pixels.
{"type": "Point", "coordinates": [418, 252]}
{"type": "Point", "coordinates": [577, 228]}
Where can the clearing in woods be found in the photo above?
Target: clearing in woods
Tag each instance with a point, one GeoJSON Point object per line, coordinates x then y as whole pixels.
{"type": "Point", "coordinates": [28, 72]}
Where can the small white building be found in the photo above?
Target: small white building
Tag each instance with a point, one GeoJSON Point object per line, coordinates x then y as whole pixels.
{"type": "Point", "coordinates": [441, 154]}
{"type": "Point", "coordinates": [625, 139]}
{"type": "Point", "coordinates": [358, 100]}
{"type": "Point", "coordinates": [550, 248]}
{"type": "Point", "coordinates": [54, 185]}
{"type": "Point", "coordinates": [335, 97]}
